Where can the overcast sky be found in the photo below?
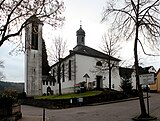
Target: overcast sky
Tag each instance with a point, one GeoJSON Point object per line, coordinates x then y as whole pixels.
{"type": "Point", "coordinates": [90, 13]}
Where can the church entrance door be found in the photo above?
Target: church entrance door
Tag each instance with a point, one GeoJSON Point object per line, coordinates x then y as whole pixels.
{"type": "Point", "coordinates": [48, 90]}
{"type": "Point", "coordinates": [99, 82]}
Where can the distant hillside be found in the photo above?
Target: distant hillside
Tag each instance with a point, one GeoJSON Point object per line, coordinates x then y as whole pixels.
{"type": "Point", "coordinates": [19, 87]}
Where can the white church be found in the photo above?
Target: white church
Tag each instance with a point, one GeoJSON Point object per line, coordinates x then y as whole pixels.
{"type": "Point", "coordinates": [82, 67]}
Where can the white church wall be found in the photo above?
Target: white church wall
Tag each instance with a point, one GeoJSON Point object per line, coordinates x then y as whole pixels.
{"type": "Point", "coordinates": [82, 65]}
{"type": "Point", "coordinates": [86, 64]}
{"type": "Point", "coordinates": [68, 85]}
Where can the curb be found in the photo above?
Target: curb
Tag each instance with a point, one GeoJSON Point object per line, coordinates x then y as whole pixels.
{"type": "Point", "coordinates": [115, 101]}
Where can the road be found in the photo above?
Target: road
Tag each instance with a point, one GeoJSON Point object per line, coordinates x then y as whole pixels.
{"type": "Point", "coordinates": [122, 111]}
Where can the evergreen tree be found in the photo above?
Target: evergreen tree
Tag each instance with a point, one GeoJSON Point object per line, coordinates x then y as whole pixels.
{"type": "Point", "coordinates": [126, 85]}
{"type": "Point", "coordinates": [45, 65]}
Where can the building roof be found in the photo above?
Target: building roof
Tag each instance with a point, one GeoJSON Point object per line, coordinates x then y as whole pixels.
{"type": "Point", "coordinates": [88, 51]}
{"type": "Point", "coordinates": [158, 72]}
{"type": "Point", "coordinates": [145, 70]}
{"type": "Point", "coordinates": [125, 72]}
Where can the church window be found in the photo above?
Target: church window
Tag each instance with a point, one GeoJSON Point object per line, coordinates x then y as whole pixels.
{"type": "Point", "coordinates": [34, 41]}
{"type": "Point", "coordinates": [98, 63]}
{"type": "Point", "coordinates": [43, 82]}
{"type": "Point", "coordinates": [53, 83]}
{"type": "Point", "coordinates": [82, 39]}
{"type": "Point", "coordinates": [50, 83]}
{"type": "Point", "coordinates": [46, 82]}
{"type": "Point", "coordinates": [69, 70]}
{"type": "Point", "coordinates": [63, 75]}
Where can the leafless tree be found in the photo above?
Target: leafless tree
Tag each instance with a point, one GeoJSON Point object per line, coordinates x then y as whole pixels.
{"type": "Point", "coordinates": [57, 49]}
{"type": "Point", "coordinates": [138, 19]}
{"type": "Point", "coordinates": [57, 54]}
{"type": "Point", "coordinates": [111, 46]}
{"type": "Point", "coordinates": [1, 73]}
{"type": "Point", "coordinates": [15, 15]}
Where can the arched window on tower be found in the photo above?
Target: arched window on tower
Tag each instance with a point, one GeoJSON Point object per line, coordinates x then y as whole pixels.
{"type": "Point", "coordinates": [99, 63]}
{"type": "Point", "coordinates": [82, 40]}
{"type": "Point", "coordinates": [34, 41]}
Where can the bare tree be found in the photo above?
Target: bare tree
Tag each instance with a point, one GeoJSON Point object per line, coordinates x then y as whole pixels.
{"type": "Point", "coordinates": [57, 50]}
{"type": "Point", "coordinates": [1, 73]}
{"type": "Point", "coordinates": [138, 19]}
{"type": "Point", "coordinates": [111, 46]}
{"type": "Point", "coordinates": [57, 54]}
{"type": "Point", "coordinates": [15, 15]}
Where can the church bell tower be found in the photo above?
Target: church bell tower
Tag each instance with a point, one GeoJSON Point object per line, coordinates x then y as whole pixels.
{"type": "Point", "coordinates": [80, 36]}
{"type": "Point", "coordinates": [33, 58]}
{"type": "Point", "coordinates": [80, 33]}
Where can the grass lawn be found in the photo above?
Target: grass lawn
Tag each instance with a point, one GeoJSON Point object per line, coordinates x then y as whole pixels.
{"type": "Point", "coordinates": [72, 95]}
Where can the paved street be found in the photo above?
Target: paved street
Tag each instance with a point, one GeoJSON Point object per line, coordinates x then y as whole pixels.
{"type": "Point", "coordinates": [122, 111]}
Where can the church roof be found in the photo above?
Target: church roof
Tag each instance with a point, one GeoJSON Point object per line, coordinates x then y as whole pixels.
{"type": "Point", "coordinates": [88, 51]}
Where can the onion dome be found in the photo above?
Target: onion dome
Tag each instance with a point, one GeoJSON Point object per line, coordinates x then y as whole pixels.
{"type": "Point", "coordinates": [80, 31]}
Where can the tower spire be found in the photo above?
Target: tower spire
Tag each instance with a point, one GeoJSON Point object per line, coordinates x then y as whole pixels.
{"type": "Point", "coordinates": [80, 35]}
{"type": "Point", "coordinates": [80, 23]}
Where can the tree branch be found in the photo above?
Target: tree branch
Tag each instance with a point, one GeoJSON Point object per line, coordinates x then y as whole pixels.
{"type": "Point", "coordinates": [144, 50]}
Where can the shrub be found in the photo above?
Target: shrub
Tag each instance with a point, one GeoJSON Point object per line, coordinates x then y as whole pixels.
{"type": "Point", "coordinates": [22, 95]}
{"type": "Point", "coordinates": [126, 85]}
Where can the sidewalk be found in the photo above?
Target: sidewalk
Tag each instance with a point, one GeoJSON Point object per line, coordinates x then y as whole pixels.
{"type": "Point", "coordinates": [31, 118]}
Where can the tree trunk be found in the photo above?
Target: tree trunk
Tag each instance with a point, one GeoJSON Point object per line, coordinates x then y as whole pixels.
{"type": "Point", "coordinates": [59, 77]}
{"type": "Point", "coordinates": [109, 66]}
{"type": "Point", "coordinates": [110, 78]}
{"type": "Point", "coordinates": [140, 93]}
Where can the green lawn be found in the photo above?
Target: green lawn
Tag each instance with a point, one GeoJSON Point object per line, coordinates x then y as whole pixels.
{"type": "Point", "coordinates": [73, 95]}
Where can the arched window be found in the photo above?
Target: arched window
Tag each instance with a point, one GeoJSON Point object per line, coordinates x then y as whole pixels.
{"type": "Point", "coordinates": [49, 90]}
{"type": "Point", "coordinates": [34, 42]}
{"type": "Point", "coordinates": [43, 82]}
{"type": "Point", "coordinates": [99, 63]}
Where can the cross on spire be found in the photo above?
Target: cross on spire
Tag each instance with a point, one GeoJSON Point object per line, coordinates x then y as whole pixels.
{"type": "Point", "coordinates": [80, 23]}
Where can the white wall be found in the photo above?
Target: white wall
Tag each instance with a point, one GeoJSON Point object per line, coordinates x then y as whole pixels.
{"type": "Point", "coordinates": [86, 64]}
{"type": "Point", "coordinates": [80, 66]}
{"type": "Point", "coordinates": [68, 85]}
{"type": "Point", "coordinates": [133, 76]}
